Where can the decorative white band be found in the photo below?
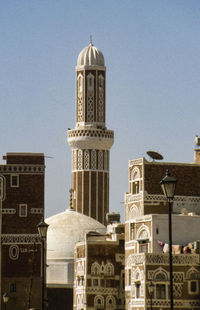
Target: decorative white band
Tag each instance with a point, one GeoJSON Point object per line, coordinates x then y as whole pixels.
{"type": "Point", "coordinates": [33, 169]}
{"type": "Point", "coordinates": [20, 238]}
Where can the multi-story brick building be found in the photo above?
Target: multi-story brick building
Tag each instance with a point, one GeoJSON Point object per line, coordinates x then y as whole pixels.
{"type": "Point", "coordinates": [22, 207]}
{"type": "Point", "coordinates": [146, 229]}
{"type": "Point", "coordinates": [99, 270]}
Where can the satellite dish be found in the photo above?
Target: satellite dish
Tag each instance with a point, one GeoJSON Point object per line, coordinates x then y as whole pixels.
{"type": "Point", "coordinates": [155, 155]}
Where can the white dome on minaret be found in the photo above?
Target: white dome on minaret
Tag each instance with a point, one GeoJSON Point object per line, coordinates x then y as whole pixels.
{"type": "Point", "coordinates": [90, 56]}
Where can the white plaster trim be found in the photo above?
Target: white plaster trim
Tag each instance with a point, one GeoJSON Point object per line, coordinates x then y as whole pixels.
{"type": "Point", "coordinates": [21, 169]}
{"type": "Point", "coordinates": [22, 205]}
{"type": "Point", "coordinates": [8, 211]}
{"type": "Point", "coordinates": [20, 238]}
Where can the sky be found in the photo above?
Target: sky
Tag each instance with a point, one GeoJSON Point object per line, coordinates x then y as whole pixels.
{"type": "Point", "coordinates": [151, 51]}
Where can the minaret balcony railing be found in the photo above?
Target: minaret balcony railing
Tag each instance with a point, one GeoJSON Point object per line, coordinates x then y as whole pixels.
{"type": "Point", "coordinates": [91, 133]}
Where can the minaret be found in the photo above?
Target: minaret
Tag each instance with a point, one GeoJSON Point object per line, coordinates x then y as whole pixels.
{"type": "Point", "coordinates": [91, 140]}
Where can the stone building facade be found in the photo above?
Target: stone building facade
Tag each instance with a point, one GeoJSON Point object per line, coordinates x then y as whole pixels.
{"type": "Point", "coordinates": [146, 236]}
{"type": "Point", "coordinates": [91, 140]}
{"type": "Point", "coordinates": [99, 270]}
{"type": "Point", "coordinates": [22, 207]}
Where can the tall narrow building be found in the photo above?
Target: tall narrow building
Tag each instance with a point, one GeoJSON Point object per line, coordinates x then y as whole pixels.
{"type": "Point", "coordinates": [91, 140]}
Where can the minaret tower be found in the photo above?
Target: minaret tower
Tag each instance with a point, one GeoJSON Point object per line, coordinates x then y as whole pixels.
{"type": "Point", "coordinates": [91, 140]}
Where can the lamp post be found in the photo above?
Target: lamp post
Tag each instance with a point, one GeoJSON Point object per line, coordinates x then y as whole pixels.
{"type": "Point", "coordinates": [42, 228]}
{"type": "Point", "coordinates": [5, 299]}
{"type": "Point", "coordinates": [151, 291]}
{"type": "Point", "coordinates": [168, 185]}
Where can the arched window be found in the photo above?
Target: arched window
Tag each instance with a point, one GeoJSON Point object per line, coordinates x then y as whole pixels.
{"type": "Point", "coordinates": [95, 269]}
{"type": "Point", "coordinates": [137, 285]}
{"type": "Point", "coordinates": [110, 302]}
{"type": "Point", "coordinates": [90, 82]}
{"type": "Point", "coordinates": [101, 81]}
{"type": "Point", "coordinates": [161, 278]}
{"type": "Point", "coordinates": [143, 239]}
{"type": "Point", "coordinates": [135, 181]}
{"type": "Point", "coordinates": [99, 302]}
{"type": "Point", "coordinates": [80, 83]}
{"type": "Point", "coordinates": [109, 269]}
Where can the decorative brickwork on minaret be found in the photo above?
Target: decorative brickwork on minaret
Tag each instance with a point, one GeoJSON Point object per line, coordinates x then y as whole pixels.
{"type": "Point", "coordinates": [90, 140]}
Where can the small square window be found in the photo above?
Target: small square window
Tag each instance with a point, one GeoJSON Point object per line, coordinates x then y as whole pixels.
{"type": "Point", "coordinates": [95, 282]}
{"type": "Point", "coordinates": [14, 180]}
{"type": "Point", "coordinates": [23, 210]}
{"type": "Point", "coordinates": [143, 246]}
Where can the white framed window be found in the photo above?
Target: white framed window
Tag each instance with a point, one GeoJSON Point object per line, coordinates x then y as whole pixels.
{"type": "Point", "coordinates": [23, 210]}
{"type": "Point", "coordinates": [109, 269]}
{"type": "Point", "coordinates": [95, 282]}
{"type": "Point", "coordinates": [14, 252]}
{"type": "Point", "coordinates": [95, 269]}
{"type": "Point", "coordinates": [132, 231]}
{"type": "Point", "coordinates": [160, 291]}
{"type": "Point", "coordinates": [98, 302]}
{"type": "Point", "coordinates": [135, 181]}
{"type": "Point", "coordinates": [80, 83]}
{"type": "Point", "coordinates": [143, 246]}
{"type": "Point", "coordinates": [14, 180]}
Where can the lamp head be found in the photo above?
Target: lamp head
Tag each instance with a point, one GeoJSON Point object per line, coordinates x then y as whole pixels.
{"type": "Point", "coordinates": [151, 288]}
{"type": "Point", "coordinates": [42, 228]}
{"type": "Point", "coordinates": [168, 185]}
{"type": "Point", "coordinates": [5, 298]}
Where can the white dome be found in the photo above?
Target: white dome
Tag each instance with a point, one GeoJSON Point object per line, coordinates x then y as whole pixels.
{"type": "Point", "coordinates": [65, 230]}
{"type": "Point", "coordinates": [90, 56]}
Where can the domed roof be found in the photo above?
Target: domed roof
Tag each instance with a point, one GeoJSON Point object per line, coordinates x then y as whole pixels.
{"type": "Point", "coordinates": [65, 230]}
{"type": "Point", "coordinates": [90, 56]}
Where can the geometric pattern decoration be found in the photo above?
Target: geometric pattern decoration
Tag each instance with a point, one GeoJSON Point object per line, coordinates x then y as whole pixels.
{"type": "Point", "coordinates": [86, 160]}
{"type": "Point", "coordinates": [101, 99]}
{"type": "Point", "coordinates": [80, 160]}
{"type": "Point", "coordinates": [93, 160]}
{"type": "Point", "coordinates": [100, 160]}
{"type": "Point", "coordinates": [90, 98]}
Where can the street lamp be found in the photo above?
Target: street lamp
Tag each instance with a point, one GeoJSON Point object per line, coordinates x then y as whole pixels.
{"type": "Point", "coordinates": [5, 299]}
{"type": "Point", "coordinates": [151, 291]}
{"type": "Point", "coordinates": [42, 228]}
{"type": "Point", "coordinates": [168, 185]}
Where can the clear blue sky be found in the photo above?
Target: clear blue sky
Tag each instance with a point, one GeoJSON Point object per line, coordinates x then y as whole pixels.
{"type": "Point", "coordinates": [152, 54]}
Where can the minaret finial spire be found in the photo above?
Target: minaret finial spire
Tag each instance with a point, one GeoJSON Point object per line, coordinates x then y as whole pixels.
{"type": "Point", "coordinates": [91, 40]}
